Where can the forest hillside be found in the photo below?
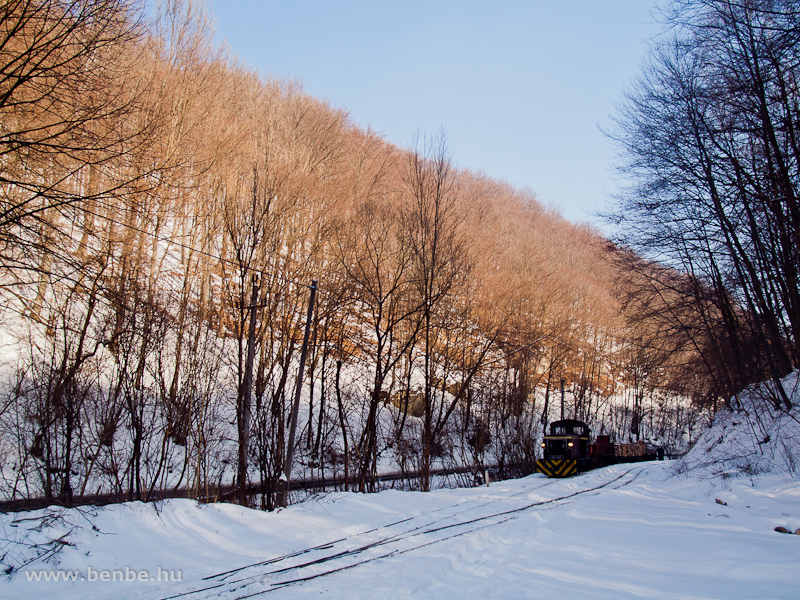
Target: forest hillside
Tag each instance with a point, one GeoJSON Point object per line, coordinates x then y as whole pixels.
{"type": "Point", "coordinates": [166, 214]}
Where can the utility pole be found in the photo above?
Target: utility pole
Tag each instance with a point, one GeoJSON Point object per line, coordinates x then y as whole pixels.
{"type": "Point", "coordinates": [246, 395]}
{"type": "Point", "coordinates": [283, 495]}
{"type": "Point", "coordinates": [562, 398]}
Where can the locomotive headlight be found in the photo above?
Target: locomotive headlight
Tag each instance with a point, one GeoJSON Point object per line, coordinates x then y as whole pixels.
{"type": "Point", "coordinates": [543, 444]}
{"type": "Point", "coordinates": [569, 444]}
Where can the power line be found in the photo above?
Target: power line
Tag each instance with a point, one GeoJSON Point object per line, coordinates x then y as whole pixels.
{"type": "Point", "coordinates": [193, 249]}
{"type": "Point", "coordinates": [77, 278]}
{"type": "Point", "coordinates": [196, 250]}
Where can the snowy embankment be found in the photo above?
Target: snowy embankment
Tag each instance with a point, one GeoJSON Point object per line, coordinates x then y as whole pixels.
{"type": "Point", "coordinates": [753, 437]}
{"type": "Point", "coordinates": [649, 530]}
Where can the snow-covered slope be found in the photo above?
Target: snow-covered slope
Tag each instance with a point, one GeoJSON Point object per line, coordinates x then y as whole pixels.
{"type": "Point", "coordinates": [751, 437]}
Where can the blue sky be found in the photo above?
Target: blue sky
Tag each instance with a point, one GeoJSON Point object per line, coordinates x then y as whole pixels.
{"type": "Point", "coordinates": [521, 88]}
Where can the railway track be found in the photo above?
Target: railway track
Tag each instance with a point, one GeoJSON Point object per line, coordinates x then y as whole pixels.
{"type": "Point", "coordinates": [377, 543]}
{"type": "Point", "coordinates": [224, 492]}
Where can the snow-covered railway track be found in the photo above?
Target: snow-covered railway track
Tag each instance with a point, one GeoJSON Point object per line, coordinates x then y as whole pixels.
{"type": "Point", "coordinates": [237, 585]}
{"type": "Point", "coordinates": [224, 577]}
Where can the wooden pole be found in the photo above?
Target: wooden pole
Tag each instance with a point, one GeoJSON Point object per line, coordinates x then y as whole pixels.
{"type": "Point", "coordinates": [244, 434]}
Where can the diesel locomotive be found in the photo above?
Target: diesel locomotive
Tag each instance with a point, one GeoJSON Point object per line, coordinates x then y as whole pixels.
{"type": "Point", "coordinates": [568, 450]}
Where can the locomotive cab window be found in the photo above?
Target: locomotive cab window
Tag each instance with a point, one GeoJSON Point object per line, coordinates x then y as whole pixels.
{"type": "Point", "coordinates": [560, 430]}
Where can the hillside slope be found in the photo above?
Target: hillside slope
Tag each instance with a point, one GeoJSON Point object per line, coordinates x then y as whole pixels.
{"type": "Point", "coordinates": [750, 437]}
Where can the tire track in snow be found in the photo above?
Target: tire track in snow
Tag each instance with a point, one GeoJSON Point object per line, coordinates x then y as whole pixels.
{"type": "Point", "coordinates": [482, 522]}
{"type": "Point", "coordinates": [509, 515]}
{"type": "Point", "coordinates": [223, 576]}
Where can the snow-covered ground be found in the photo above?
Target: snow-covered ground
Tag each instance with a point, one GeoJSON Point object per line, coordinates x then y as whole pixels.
{"type": "Point", "coordinates": [699, 528]}
{"type": "Point", "coordinates": [626, 531]}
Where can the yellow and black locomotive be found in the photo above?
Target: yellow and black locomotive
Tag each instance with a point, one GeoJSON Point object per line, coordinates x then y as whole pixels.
{"type": "Point", "coordinates": [566, 449]}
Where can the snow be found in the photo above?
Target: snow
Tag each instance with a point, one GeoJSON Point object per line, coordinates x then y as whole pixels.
{"type": "Point", "coordinates": [625, 531]}
{"type": "Point", "coordinates": [699, 528]}
{"type": "Point", "coordinates": [753, 437]}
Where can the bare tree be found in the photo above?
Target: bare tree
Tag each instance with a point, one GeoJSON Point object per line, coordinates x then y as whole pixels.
{"type": "Point", "coordinates": [376, 263]}
{"type": "Point", "coordinates": [62, 93]}
{"type": "Point", "coordinates": [432, 233]}
{"type": "Point", "coordinates": [710, 135]}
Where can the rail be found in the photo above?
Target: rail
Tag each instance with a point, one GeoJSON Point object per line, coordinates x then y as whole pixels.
{"type": "Point", "coordinates": [223, 493]}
